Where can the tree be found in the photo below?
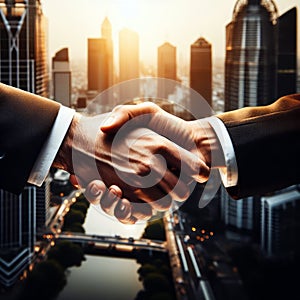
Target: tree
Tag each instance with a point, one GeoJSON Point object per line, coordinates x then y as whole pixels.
{"type": "Point", "coordinates": [45, 281]}
{"type": "Point", "coordinates": [67, 254]}
{"type": "Point", "coordinates": [155, 282]}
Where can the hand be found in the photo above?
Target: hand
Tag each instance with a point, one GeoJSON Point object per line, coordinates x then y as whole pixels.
{"type": "Point", "coordinates": [111, 202]}
{"type": "Point", "coordinates": [140, 162]}
{"type": "Point", "coordinates": [196, 136]}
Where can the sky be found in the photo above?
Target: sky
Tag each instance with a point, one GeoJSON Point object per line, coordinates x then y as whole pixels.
{"type": "Point", "coordinates": [180, 22]}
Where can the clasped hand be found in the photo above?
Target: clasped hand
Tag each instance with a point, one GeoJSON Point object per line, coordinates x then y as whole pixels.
{"type": "Point", "coordinates": [146, 163]}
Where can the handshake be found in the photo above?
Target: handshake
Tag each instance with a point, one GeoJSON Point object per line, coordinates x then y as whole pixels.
{"type": "Point", "coordinates": [137, 159]}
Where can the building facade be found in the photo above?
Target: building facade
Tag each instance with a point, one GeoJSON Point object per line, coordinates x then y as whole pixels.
{"type": "Point", "coordinates": [106, 33]}
{"type": "Point", "coordinates": [201, 69]}
{"type": "Point", "coordinates": [276, 210]}
{"type": "Point", "coordinates": [129, 65]}
{"type": "Point", "coordinates": [260, 52]}
{"type": "Point", "coordinates": [23, 51]}
{"type": "Point", "coordinates": [166, 68]}
{"type": "Point", "coordinates": [23, 64]}
{"type": "Point", "coordinates": [97, 65]}
{"type": "Point", "coordinates": [287, 53]}
{"type": "Point", "coordinates": [61, 77]}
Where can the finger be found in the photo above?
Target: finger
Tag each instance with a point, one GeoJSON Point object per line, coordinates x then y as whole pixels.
{"type": "Point", "coordinates": [155, 197]}
{"type": "Point", "coordinates": [174, 186]}
{"type": "Point", "coordinates": [95, 191]}
{"type": "Point", "coordinates": [141, 210]}
{"type": "Point", "coordinates": [110, 200]}
{"type": "Point", "coordinates": [184, 161]}
{"type": "Point", "coordinates": [123, 212]}
{"type": "Point", "coordinates": [123, 113]}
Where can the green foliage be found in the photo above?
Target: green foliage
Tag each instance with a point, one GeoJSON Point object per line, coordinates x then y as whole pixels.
{"type": "Point", "coordinates": [155, 230]}
{"type": "Point", "coordinates": [80, 206]}
{"type": "Point", "coordinates": [45, 281]}
{"type": "Point", "coordinates": [156, 282]}
{"type": "Point", "coordinates": [67, 254]}
{"type": "Point", "coordinates": [73, 216]}
{"type": "Point", "coordinates": [74, 227]}
{"type": "Point", "coordinates": [144, 270]}
{"type": "Point", "coordinates": [82, 199]}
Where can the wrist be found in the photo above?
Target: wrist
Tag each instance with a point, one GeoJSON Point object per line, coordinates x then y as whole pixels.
{"type": "Point", "coordinates": [208, 143]}
{"type": "Point", "coordinates": [63, 158]}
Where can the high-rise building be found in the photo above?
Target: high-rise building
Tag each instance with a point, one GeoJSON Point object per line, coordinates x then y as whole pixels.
{"type": "Point", "coordinates": [23, 64]}
{"type": "Point", "coordinates": [23, 51]}
{"type": "Point", "coordinates": [129, 64]}
{"type": "Point", "coordinates": [17, 227]}
{"type": "Point", "coordinates": [166, 61]}
{"type": "Point", "coordinates": [61, 77]}
{"type": "Point", "coordinates": [201, 69]}
{"type": "Point", "coordinates": [237, 214]}
{"type": "Point", "coordinates": [280, 215]}
{"type": "Point", "coordinates": [287, 53]}
{"type": "Point", "coordinates": [106, 32]}
{"type": "Point", "coordinates": [250, 67]}
{"type": "Point", "coordinates": [97, 65]}
{"type": "Point", "coordinates": [166, 68]}
{"type": "Point", "coordinates": [260, 52]}
{"type": "Point", "coordinates": [129, 61]}
{"type": "Point", "coordinates": [21, 217]}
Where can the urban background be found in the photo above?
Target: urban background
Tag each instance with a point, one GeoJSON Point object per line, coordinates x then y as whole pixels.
{"type": "Point", "coordinates": [54, 246]}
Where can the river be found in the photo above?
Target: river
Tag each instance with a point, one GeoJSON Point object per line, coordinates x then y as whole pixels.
{"type": "Point", "coordinates": [103, 277]}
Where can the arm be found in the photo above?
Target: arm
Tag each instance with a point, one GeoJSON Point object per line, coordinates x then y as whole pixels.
{"type": "Point", "coordinates": [25, 122]}
{"type": "Point", "coordinates": [266, 142]}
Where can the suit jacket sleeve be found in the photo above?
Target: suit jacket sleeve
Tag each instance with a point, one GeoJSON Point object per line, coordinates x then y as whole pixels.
{"type": "Point", "coordinates": [266, 141]}
{"type": "Point", "coordinates": [25, 122]}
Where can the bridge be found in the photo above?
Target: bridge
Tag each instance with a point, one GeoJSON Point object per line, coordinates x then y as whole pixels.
{"type": "Point", "coordinates": [116, 246]}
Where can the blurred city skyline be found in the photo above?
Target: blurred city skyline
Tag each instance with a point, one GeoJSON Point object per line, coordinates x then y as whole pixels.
{"type": "Point", "coordinates": [71, 23]}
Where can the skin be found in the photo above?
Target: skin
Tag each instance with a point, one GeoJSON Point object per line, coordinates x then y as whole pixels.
{"type": "Point", "coordinates": [140, 167]}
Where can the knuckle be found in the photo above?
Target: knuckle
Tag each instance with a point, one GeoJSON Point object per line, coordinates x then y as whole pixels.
{"type": "Point", "coordinates": [117, 108]}
{"type": "Point", "coordinates": [144, 168]}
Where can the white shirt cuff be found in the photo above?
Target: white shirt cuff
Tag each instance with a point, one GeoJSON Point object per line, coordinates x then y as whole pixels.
{"type": "Point", "coordinates": [229, 174]}
{"type": "Point", "coordinates": [49, 150]}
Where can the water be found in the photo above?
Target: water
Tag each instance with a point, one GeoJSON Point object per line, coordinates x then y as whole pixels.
{"type": "Point", "coordinates": [104, 277]}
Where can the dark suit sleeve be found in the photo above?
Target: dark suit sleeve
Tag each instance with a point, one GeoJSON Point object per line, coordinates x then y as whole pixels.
{"type": "Point", "coordinates": [266, 141]}
{"type": "Point", "coordinates": [25, 122]}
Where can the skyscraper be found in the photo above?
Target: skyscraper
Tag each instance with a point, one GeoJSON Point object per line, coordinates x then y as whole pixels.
{"type": "Point", "coordinates": [201, 69]}
{"type": "Point", "coordinates": [23, 52]}
{"type": "Point", "coordinates": [21, 217]}
{"type": "Point", "coordinates": [166, 67]}
{"type": "Point", "coordinates": [260, 66]}
{"type": "Point", "coordinates": [278, 209]}
{"type": "Point", "coordinates": [287, 53]}
{"type": "Point", "coordinates": [129, 63]}
{"type": "Point", "coordinates": [61, 77]}
{"type": "Point", "coordinates": [97, 65]}
{"type": "Point", "coordinates": [106, 32]}
{"type": "Point", "coordinates": [23, 64]}
{"type": "Point", "coordinates": [17, 227]}
{"type": "Point", "coordinates": [250, 67]}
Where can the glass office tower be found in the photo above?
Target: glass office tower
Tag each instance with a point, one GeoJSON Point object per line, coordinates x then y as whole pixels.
{"type": "Point", "coordinates": [260, 67]}
{"type": "Point", "coordinates": [23, 51]}
{"type": "Point", "coordinates": [287, 53]}
{"type": "Point", "coordinates": [250, 67]}
{"type": "Point", "coordinates": [23, 64]}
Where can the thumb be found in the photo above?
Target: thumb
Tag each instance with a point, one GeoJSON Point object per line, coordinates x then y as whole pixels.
{"type": "Point", "coordinates": [123, 113]}
{"type": "Point", "coordinates": [114, 122]}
